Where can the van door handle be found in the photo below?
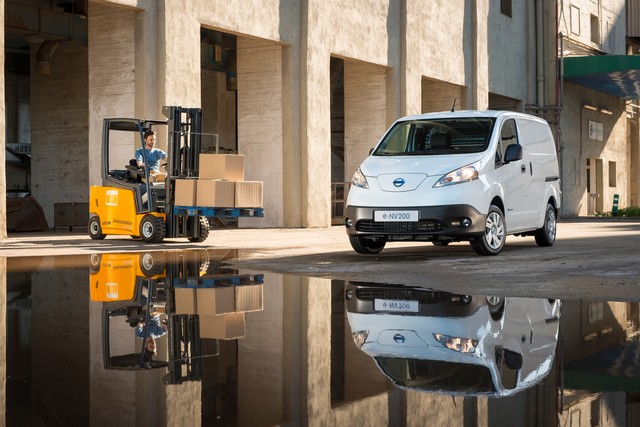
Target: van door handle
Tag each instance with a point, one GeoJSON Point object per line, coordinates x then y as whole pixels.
{"type": "Point", "coordinates": [523, 168]}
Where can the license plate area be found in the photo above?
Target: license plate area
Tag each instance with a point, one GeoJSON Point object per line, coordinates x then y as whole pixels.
{"type": "Point", "coordinates": [396, 306]}
{"type": "Point", "coordinates": [395, 216]}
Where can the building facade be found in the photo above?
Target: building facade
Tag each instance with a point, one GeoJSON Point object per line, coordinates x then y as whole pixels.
{"type": "Point", "coordinates": [303, 89]}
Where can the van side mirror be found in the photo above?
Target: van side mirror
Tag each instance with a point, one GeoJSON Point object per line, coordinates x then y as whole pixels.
{"type": "Point", "coordinates": [513, 153]}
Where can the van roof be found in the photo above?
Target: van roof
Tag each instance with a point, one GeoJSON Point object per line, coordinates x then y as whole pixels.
{"type": "Point", "coordinates": [469, 113]}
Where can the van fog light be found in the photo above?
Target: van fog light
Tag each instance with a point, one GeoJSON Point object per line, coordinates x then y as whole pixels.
{"type": "Point", "coordinates": [348, 223]}
{"type": "Point", "coordinates": [466, 222]}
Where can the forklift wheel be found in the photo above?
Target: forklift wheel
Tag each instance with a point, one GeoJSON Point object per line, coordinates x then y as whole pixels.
{"type": "Point", "coordinates": [203, 223]}
{"type": "Point", "coordinates": [152, 229]}
{"type": "Point", "coordinates": [95, 229]}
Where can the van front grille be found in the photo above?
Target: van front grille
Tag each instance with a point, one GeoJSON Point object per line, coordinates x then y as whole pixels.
{"type": "Point", "coordinates": [422, 226]}
{"type": "Point", "coordinates": [423, 296]}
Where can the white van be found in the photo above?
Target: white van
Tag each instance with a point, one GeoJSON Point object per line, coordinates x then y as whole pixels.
{"type": "Point", "coordinates": [439, 342]}
{"type": "Point", "coordinates": [445, 177]}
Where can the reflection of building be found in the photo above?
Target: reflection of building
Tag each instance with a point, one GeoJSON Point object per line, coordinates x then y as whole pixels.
{"type": "Point", "coordinates": [600, 363]}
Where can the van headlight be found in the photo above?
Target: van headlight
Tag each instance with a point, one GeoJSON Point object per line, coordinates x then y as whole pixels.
{"type": "Point", "coordinates": [462, 345]}
{"type": "Point", "coordinates": [360, 337]}
{"type": "Point", "coordinates": [359, 180]}
{"type": "Point", "coordinates": [464, 174]}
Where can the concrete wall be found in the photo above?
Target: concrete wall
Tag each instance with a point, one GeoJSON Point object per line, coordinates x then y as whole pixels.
{"type": "Point", "coordinates": [260, 123]}
{"type": "Point", "coordinates": [3, 185]}
{"type": "Point", "coordinates": [506, 39]}
{"type": "Point", "coordinates": [577, 148]}
{"type": "Point", "coordinates": [364, 112]}
{"type": "Point", "coordinates": [111, 72]}
{"type": "Point", "coordinates": [59, 130]}
{"type": "Point", "coordinates": [576, 23]}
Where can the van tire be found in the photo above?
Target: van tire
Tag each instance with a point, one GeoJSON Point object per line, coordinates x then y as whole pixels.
{"type": "Point", "coordinates": [493, 239]}
{"type": "Point", "coordinates": [546, 236]}
{"type": "Point", "coordinates": [364, 245]}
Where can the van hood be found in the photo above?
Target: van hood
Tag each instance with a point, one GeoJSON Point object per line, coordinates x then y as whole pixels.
{"type": "Point", "coordinates": [406, 173]}
{"type": "Point", "coordinates": [373, 166]}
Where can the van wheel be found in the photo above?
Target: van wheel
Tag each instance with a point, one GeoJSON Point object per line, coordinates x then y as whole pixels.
{"type": "Point", "coordinates": [365, 245]}
{"type": "Point", "coordinates": [546, 236]}
{"type": "Point", "coordinates": [152, 229]}
{"type": "Point", "coordinates": [95, 229]}
{"type": "Point", "coordinates": [493, 239]}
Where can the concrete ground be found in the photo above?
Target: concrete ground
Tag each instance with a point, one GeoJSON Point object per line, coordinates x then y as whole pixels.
{"type": "Point", "coordinates": [591, 258]}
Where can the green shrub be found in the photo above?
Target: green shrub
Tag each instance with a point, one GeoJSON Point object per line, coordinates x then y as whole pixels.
{"type": "Point", "coordinates": [628, 212]}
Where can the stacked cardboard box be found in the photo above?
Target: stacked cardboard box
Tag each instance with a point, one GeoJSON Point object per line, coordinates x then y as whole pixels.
{"type": "Point", "coordinates": [220, 309]}
{"type": "Point", "coordinates": [220, 184]}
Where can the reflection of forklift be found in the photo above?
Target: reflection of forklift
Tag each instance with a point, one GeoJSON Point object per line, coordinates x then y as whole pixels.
{"type": "Point", "coordinates": [134, 287]}
{"type": "Point", "coordinates": [129, 203]}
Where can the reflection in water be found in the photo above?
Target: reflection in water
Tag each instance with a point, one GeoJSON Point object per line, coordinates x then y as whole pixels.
{"type": "Point", "coordinates": [181, 295]}
{"type": "Point", "coordinates": [455, 344]}
{"type": "Point", "coordinates": [284, 355]}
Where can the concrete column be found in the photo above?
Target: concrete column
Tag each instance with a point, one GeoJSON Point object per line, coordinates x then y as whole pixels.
{"type": "Point", "coordinates": [3, 179]}
{"type": "Point", "coordinates": [178, 58]}
{"type": "Point", "coordinates": [261, 367]}
{"type": "Point", "coordinates": [112, 70]}
{"type": "Point", "coordinates": [315, 110]}
{"type": "Point", "coordinates": [411, 58]}
{"type": "Point", "coordinates": [480, 57]}
{"type": "Point", "coordinates": [260, 127]}
{"type": "Point", "coordinates": [318, 356]}
{"type": "Point", "coordinates": [3, 335]}
{"type": "Point", "coordinates": [364, 112]}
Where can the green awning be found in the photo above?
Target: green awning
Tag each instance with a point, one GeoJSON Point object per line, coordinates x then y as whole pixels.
{"type": "Point", "coordinates": [617, 75]}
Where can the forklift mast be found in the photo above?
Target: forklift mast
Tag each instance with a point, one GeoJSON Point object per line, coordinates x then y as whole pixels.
{"type": "Point", "coordinates": [184, 141]}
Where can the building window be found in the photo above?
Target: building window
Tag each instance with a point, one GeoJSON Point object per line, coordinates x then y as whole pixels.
{"type": "Point", "coordinates": [595, 29]}
{"type": "Point", "coordinates": [612, 174]}
{"type": "Point", "coordinates": [575, 20]}
{"type": "Point", "coordinates": [505, 7]}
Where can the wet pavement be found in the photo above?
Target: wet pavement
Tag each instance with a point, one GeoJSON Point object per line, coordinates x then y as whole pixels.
{"type": "Point", "coordinates": [290, 327]}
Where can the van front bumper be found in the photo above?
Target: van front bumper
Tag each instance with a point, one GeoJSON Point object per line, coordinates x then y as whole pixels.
{"type": "Point", "coordinates": [451, 222]}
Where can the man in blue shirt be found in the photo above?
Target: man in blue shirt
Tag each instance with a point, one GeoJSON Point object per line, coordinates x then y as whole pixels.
{"type": "Point", "coordinates": [154, 155]}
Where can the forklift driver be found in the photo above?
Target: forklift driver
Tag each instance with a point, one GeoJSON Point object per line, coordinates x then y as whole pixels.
{"type": "Point", "coordinates": [153, 155]}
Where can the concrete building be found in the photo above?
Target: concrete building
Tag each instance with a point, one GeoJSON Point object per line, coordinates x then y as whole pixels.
{"type": "Point", "coordinates": [302, 88]}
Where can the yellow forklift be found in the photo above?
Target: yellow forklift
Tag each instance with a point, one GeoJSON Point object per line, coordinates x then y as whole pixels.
{"type": "Point", "coordinates": [129, 202]}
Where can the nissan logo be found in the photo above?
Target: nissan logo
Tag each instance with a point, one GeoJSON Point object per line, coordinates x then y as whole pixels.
{"type": "Point", "coordinates": [399, 339]}
{"type": "Point", "coordinates": [398, 182]}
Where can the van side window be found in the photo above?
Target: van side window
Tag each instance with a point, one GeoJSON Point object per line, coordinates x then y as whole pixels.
{"type": "Point", "coordinates": [508, 136]}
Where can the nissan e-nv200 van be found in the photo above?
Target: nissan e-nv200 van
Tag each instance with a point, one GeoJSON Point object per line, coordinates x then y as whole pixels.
{"type": "Point", "coordinates": [474, 176]}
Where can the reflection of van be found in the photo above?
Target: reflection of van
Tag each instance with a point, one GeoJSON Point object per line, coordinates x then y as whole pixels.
{"type": "Point", "coordinates": [454, 344]}
{"type": "Point", "coordinates": [466, 175]}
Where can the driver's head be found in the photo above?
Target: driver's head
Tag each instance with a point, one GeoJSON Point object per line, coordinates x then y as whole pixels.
{"type": "Point", "coordinates": [150, 139]}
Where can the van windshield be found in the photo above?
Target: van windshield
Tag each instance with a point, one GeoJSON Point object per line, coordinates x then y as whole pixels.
{"type": "Point", "coordinates": [439, 136]}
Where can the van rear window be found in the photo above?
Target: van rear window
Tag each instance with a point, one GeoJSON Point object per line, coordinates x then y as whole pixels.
{"type": "Point", "coordinates": [436, 137]}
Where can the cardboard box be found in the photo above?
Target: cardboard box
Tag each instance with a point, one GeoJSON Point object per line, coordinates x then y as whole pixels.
{"type": "Point", "coordinates": [214, 301]}
{"type": "Point", "coordinates": [185, 192]}
{"type": "Point", "coordinates": [249, 298]}
{"type": "Point", "coordinates": [248, 194]}
{"type": "Point", "coordinates": [215, 193]}
{"type": "Point", "coordinates": [229, 167]}
{"type": "Point", "coordinates": [224, 327]}
{"type": "Point", "coordinates": [185, 299]}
